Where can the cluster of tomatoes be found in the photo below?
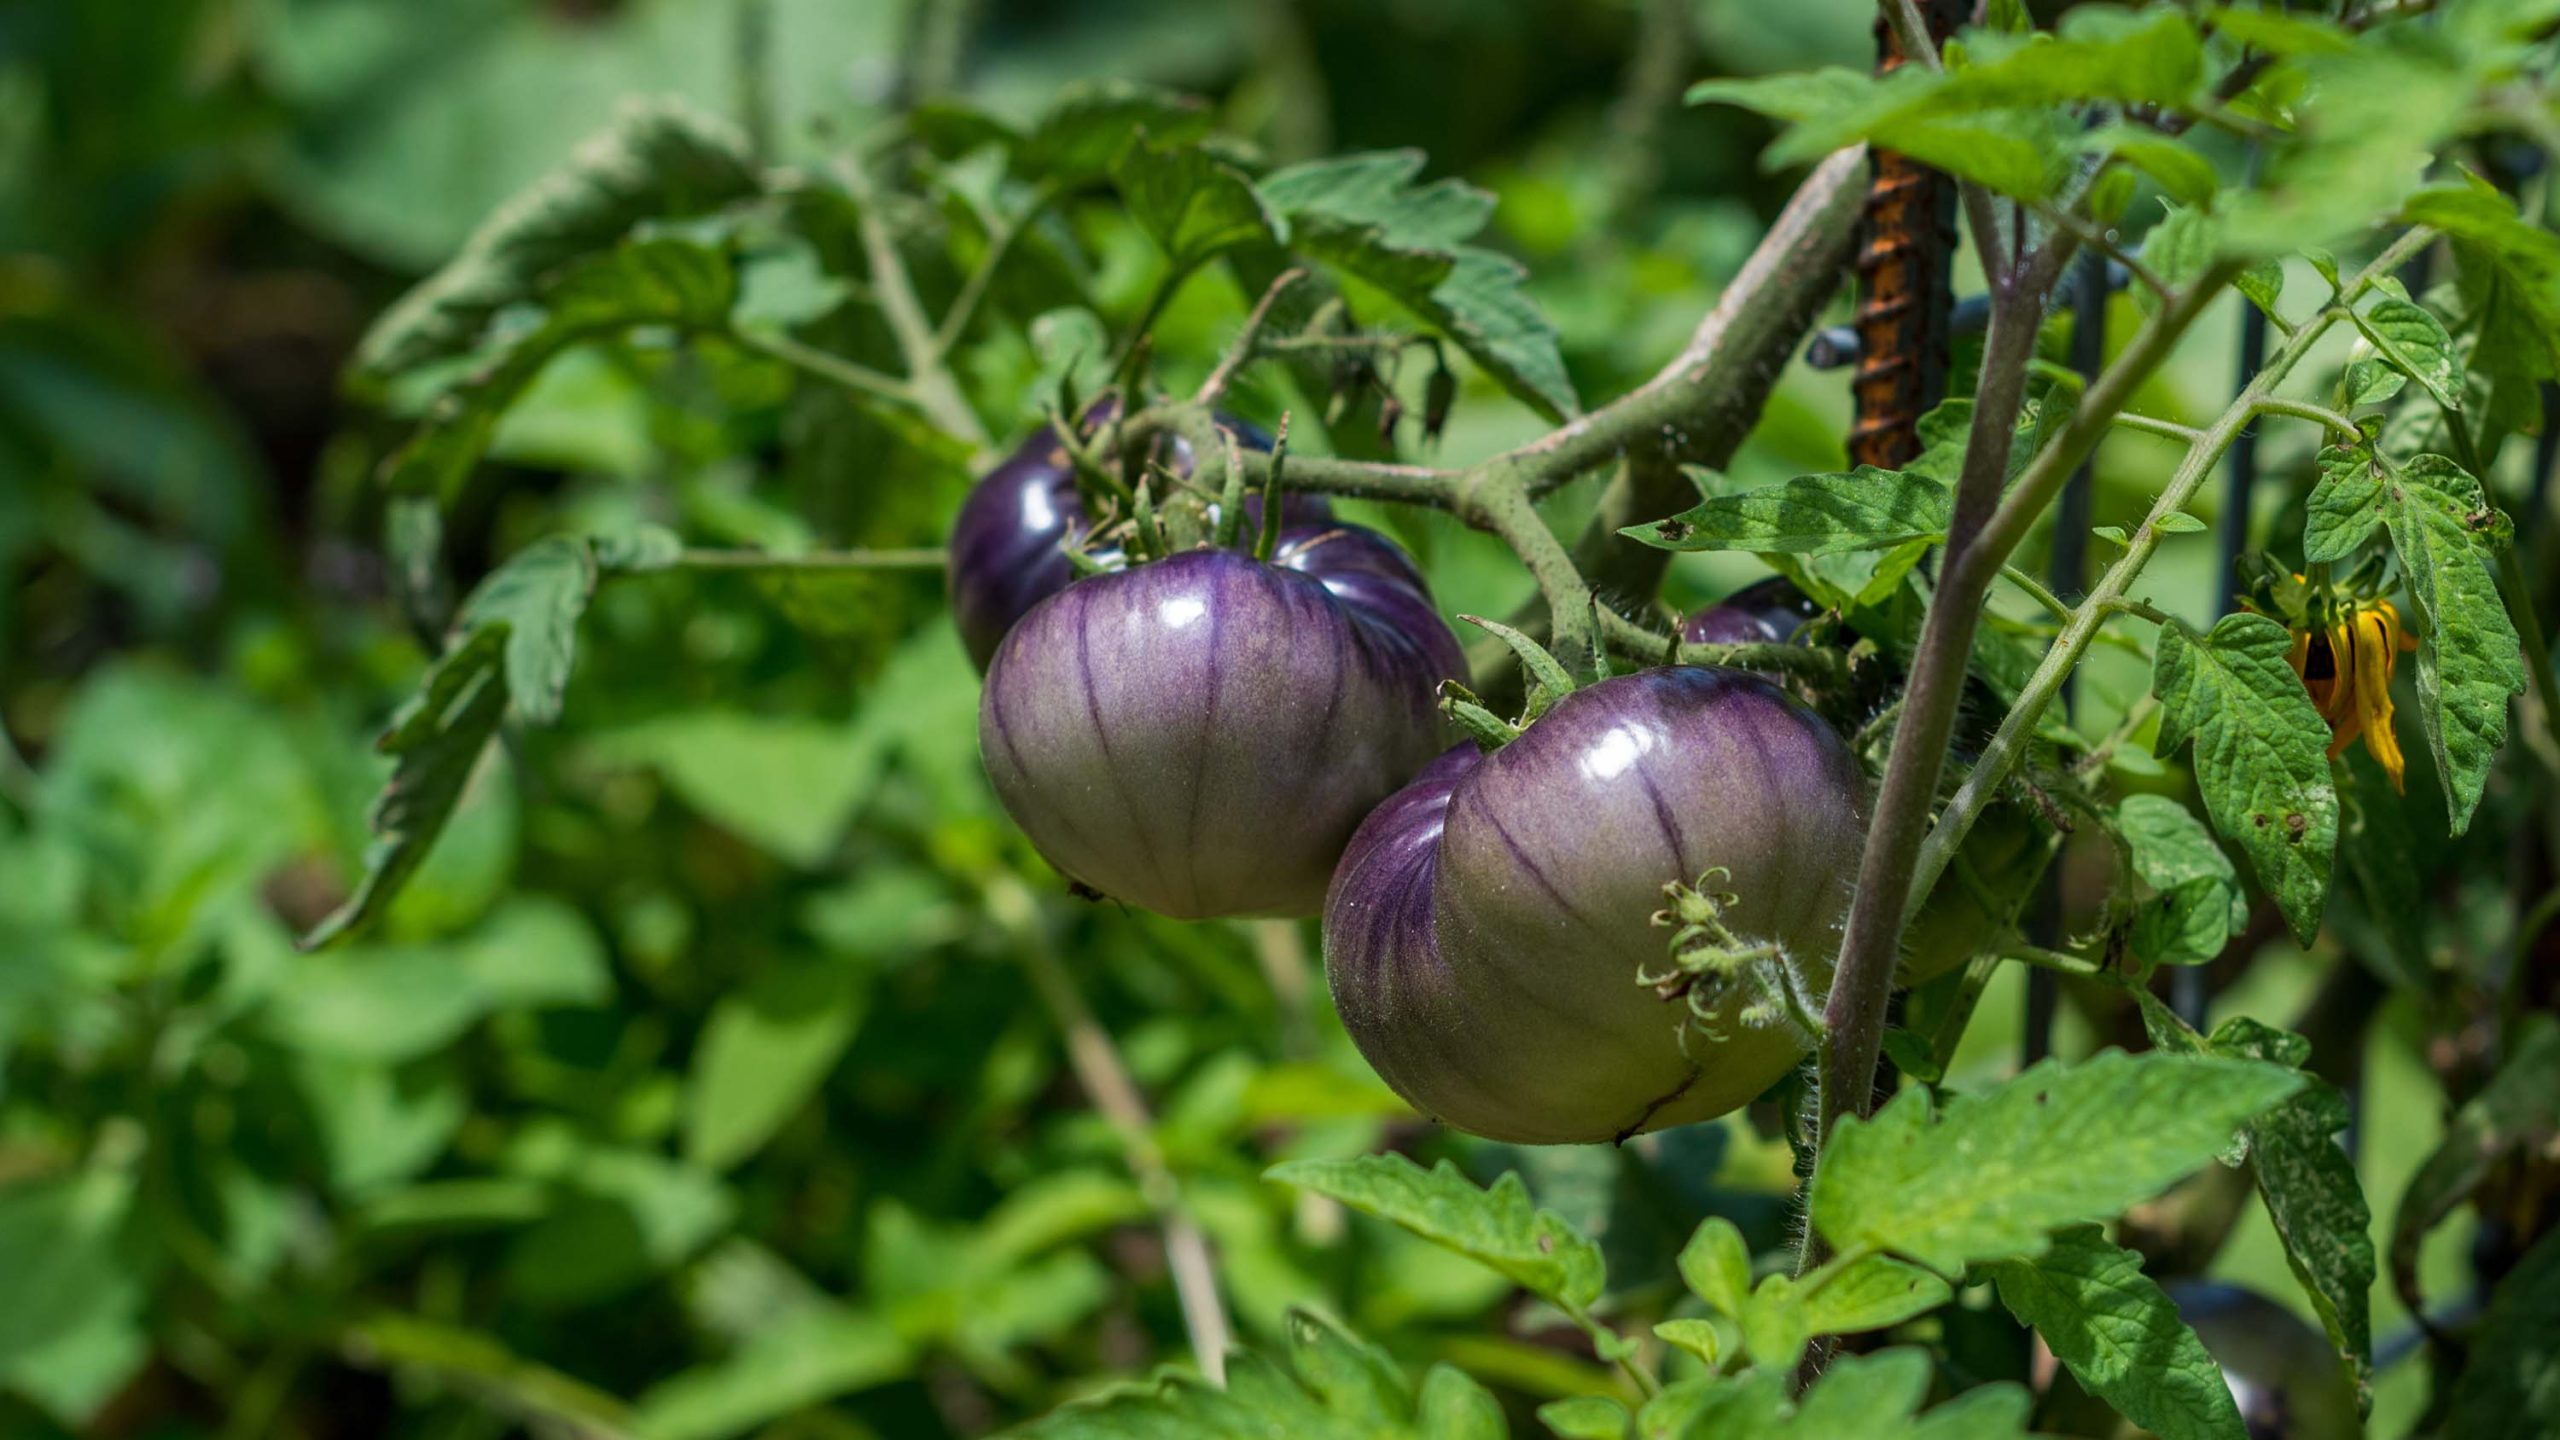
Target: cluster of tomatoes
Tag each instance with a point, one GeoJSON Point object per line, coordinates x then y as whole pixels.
{"type": "Point", "coordinates": [1210, 734]}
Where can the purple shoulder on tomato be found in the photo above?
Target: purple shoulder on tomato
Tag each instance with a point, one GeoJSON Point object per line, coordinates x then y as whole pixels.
{"type": "Point", "coordinates": [1200, 735]}
{"type": "Point", "coordinates": [1769, 610]}
{"type": "Point", "coordinates": [1369, 573]}
{"type": "Point", "coordinates": [1486, 927]}
{"type": "Point", "coordinates": [1007, 544]}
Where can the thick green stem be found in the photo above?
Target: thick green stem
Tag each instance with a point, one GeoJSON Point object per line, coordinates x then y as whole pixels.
{"type": "Point", "coordinates": [1738, 352]}
{"type": "Point", "coordinates": [1502, 505]}
{"type": "Point", "coordinates": [1863, 979]}
{"type": "Point", "coordinates": [1650, 648]}
{"type": "Point", "coordinates": [2008, 746]}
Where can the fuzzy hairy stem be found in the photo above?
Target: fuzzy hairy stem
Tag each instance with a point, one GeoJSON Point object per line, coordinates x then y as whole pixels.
{"type": "Point", "coordinates": [2008, 746]}
{"type": "Point", "coordinates": [1863, 979]}
{"type": "Point", "coordinates": [1986, 530]}
{"type": "Point", "coordinates": [1645, 645]}
{"type": "Point", "coordinates": [1743, 344]}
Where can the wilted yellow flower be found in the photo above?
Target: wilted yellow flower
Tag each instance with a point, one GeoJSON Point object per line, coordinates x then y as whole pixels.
{"type": "Point", "coordinates": [2348, 669]}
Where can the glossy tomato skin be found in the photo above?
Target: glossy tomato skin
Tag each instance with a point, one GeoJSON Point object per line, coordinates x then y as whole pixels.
{"type": "Point", "coordinates": [1763, 612]}
{"type": "Point", "coordinates": [1200, 735]}
{"type": "Point", "coordinates": [1486, 927]}
{"type": "Point", "coordinates": [1006, 553]}
{"type": "Point", "coordinates": [2284, 1375]}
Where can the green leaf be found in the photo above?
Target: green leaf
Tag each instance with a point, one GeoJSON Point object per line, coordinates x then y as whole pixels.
{"type": "Point", "coordinates": [1994, 1174]}
{"type": "Point", "coordinates": [514, 641]}
{"type": "Point", "coordinates": [1089, 126]}
{"type": "Point", "coordinates": [2371, 382]}
{"type": "Point", "coordinates": [1336, 1387]}
{"type": "Point", "coordinates": [1698, 1337]}
{"type": "Point", "coordinates": [2197, 904]}
{"type": "Point", "coordinates": [786, 785]}
{"type": "Point", "coordinates": [2518, 1108]}
{"type": "Point", "coordinates": [434, 740]}
{"type": "Point", "coordinates": [1870, 1397]}
{"type": "Point", "coordinates": [1846, 1297]}
{"type": "Point", "coordinates": [58, 1246]}
{"type": "Point", "coordinates": [1586, 1417]}
{"type": "Point", "coordinates": [1191, 203]}
{"type": "Point", "coordinates": [1989, 120]}
{"type": "Point", "coordinates": [1377, 188]}
{"type": "Point", "coordinates": [660, 160]}
{"type": "Point", "coordinates": [2413, 340]}
{"type": "Point", "coordinates": [2178, 522]}
{"type": "Point", "coordinates": [646, 282]}
{"type": "Point", "coordinates": [397, 1003]}
{"type": "Point", "coordinates": [2261, 753]}
{"type": "Point", "coordinates": [624, 1217]}
{"type": "Point", "coordinates": [1364, 216]}
{"type": "Point", "coordinates": [2381, 109]}
{"type": "Point", "coordinates": [2445, 533]}
{"type": "Point", "coordinates": [2279, 32]}
{"type": "Point", "coordinates": [763, 1053]}
{"type": "Point", "coordinates": [2188, 177]}
{"type": "Point", "coordinates": [1499, 1227]}
{"type": "Point", "coordinates": [2511, 1387]}
{"type": "Point", "coordinates": [1866, 509]}
{"type": "Point", "coordinates": [1717, 1265]}
{"type": "Point", "coordinates": [2263, 284]}
{"type": "Point", "coordinates": [2113, 535]}
{"type": "Point", "coordinates": [535, 600]}
{"type": "Point", "coordinates": [2120, 1334]}
{"type": "Point", "coordinates": [800, 1361]}
{"type": "Point", "coordinates": [2510, 279]}
{"type": "Point", "coordinates": [2307, 1181]}
{"type": "Point", "coordinates": [2310, 1187]}
{"type": "Point", "coordinates": [2178, 250]}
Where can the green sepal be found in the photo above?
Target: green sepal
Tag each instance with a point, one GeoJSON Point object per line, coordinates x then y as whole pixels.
{"type": "Point", "coordinates": [1490, 731]}
{"type": "Point", "coordinates": [1549, 682]}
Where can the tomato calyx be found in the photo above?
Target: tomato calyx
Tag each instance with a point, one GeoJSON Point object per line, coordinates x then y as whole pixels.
{"type": "Point", "coordinates": [1548, 682]}
{"type": "Point", "coordinates": [1725, 978]}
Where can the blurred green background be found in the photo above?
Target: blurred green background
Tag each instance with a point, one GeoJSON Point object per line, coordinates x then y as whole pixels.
{"type": "Point", "coordinates": [693, 1089]}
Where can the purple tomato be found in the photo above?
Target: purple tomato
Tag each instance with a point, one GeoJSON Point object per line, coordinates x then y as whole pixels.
{"type": "Point", "coordinates": [1199, 735]}
{"type": "Point", "coordinates": [1486, 926]}
{"type": "Point", "coordinates": [1007, 544]}
{"type": "Point", "coordinates": [1767, 611]}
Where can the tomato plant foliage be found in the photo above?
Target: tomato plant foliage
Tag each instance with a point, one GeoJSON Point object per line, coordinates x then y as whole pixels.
{"type": "Point", "coordinates": [1991, 984]}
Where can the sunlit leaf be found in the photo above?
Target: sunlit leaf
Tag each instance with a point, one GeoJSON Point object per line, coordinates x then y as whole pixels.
{"type": "Point", "coordinates": [1866, 509]}
{"type": "Point", "coordinates": [1498, 1226]}
{"type": "Point", "coordinates": [661, 159]}
{"type": "Point", "coordinates": [1990, 1176]}
{"type": "Point", "coordinates": [2261, 753]}
{"type": "Point", "coordinates": [2120, 1334]}
{"type": "Point", "coordinates": [2445, 532]}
